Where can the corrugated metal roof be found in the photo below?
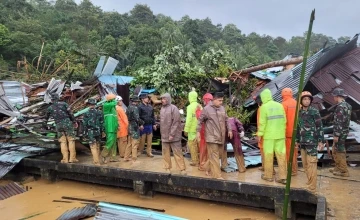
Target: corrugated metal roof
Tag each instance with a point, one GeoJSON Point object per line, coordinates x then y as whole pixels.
{"type": "Point", "coordinates": [346, 69]}
{"type": "Point", "coordinates": [10, 190]}
{"type": "Point", "coordinates": [108, 211]}
{"type": "Point", "coordinates": [14, 91]}
{"type": "Point", "coordinates": [318, 64]}
{"type": "Point", "coordinates": [12, 154]}
{"type": "Point", "coordinates": [113, 80]}
{"type": "Point", "coordinates": [79, 213]}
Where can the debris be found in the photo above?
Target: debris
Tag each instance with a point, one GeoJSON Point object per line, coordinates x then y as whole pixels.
{"type": "Point", "coordinates": [113, 211]}
{"type": "Point", "coordinates": [79, 213]}
{"type": "Point", "coordinates": [10, 190]}
{"type": "Point", "coordinates": [286, 62]}
{"type": "Point", "coordinates": [97, 201]}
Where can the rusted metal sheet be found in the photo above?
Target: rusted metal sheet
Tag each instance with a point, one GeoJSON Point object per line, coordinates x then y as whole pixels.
{"type": "Point", "coordinates": [79, 213]}
{"type": "Point", "coordinates": [10, 190]}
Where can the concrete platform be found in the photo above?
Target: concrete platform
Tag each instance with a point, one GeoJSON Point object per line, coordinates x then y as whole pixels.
{"type": "Point", "coordinates": [148, 177]}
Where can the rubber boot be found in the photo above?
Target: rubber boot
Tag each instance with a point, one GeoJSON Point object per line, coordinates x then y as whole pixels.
{"type": "Point", "coordinates": [64, 149]}
{"type": "Point", "coordinates": [95, 154]}
{"type": "Point", "coordinates": [72, 150]}
{"type": "Point", "coordinates": [149, 145]}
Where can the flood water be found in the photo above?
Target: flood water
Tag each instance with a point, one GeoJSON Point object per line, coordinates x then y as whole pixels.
{"type": "Point", "coordinates": [37, 203]}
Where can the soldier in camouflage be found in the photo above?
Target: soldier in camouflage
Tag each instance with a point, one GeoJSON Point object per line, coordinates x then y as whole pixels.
{"type": "Point", "coordinates": [65, 122]}
{"type": "Point", "coordinates": [93, 122]}
{"type": "Point", "coordinates": [310, 138]}
{"type": "Point", "coordinates": [135, 125]}
{"type": "Point", "coordinates": [342, 116]}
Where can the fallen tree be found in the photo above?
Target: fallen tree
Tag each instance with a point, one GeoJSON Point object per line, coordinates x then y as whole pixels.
{"type": "Point", "coordinates": [237, 74]}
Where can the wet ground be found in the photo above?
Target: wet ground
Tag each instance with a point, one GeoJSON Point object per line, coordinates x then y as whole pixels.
{"type": "Point", "coordinates": [38, 202]}
{"type": "Point", "coordinates": [342, 194]}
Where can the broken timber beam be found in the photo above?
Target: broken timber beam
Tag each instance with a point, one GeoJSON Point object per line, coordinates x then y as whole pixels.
{"type": "Point", "coordinates": [86, 93]}
{"type": "Point", "coordinates": [236, 74]}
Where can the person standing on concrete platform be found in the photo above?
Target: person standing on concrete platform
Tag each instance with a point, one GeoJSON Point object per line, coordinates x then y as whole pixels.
{"type": "Point", "coordinates": [260, 139]}
{"type": "Point", "coordinates": [272, 129]}
{"type": "Point", "coordinates": [309, 137]}
{"type": "Point", "coordinates": [65, 123]}
{"type": "Point", "coordinates": [190, 128]}
{"type": "Point", "coordinates": [146, 113]}
{"type": "Point", "coordinates": [289, 104]}
{"type": "Point", "coordinates": [342, 116]}
{"type": "Point", "coordinates": [122, 133]}
{"type": "Point", "coordinates": [216, 124]}
{"type": "Point", "coordinates": [171, 133]}
{"type": "Point", "coordinates": [111, 127]}
{"type": "Point", "coordinates": [238, 132]}
{"type": "Point", "coordinates": [135, 126]}
{"type": "Point", "coordinates": [93, 127]}
{"type": "Point", "coordinates": [207, 98]}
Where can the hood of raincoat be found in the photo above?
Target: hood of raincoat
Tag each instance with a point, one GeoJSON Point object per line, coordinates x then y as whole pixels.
{"type": "Point", "coordinates": [167, 96]}
{"type": "Point", "coordinates": [207, 98]}
{"type": "Point", "coordinates": [193, 96]}
{"type": "Point", "coordinates": [287, 93]}
{"type": "Point", "coordinates": [266, 96]}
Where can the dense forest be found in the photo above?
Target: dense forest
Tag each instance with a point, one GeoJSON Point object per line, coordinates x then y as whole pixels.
{"type": "Point", "coordinates": [158, 50]}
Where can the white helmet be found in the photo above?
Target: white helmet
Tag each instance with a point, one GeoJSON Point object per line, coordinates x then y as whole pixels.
{"type": "Point", "coordinates": [119, 98]}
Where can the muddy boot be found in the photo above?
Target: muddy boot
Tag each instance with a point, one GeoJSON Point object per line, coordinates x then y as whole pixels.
{"type": "Point", "coordinates": [105, 155]}
{"type": "Point", "coordinates": [335, 169]}
{"type": "Point", "coordinates": [64, 149]}
{"type": "Point", "coordinates": [183, 172]}
{"type": "Point", "coordinates": [267, 179]}
{"type": "Point", "coordinates": [343, 170]}
{"type": "Point", "coordinates": [95, 154]}
{"type": "Point", "coordinates": [72, 150]}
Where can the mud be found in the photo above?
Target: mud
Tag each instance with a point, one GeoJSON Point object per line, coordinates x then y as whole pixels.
{"type": "Point", "coordinates": [38, 202]}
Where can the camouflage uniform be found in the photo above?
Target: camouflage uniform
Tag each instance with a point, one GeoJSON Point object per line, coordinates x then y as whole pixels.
{"type": "Point", "coordinates": [64, 120]}
{"type": "Point", "coordinates": [341, 124]}
{"type": "Point", "coordinates": [342, 116]}
{"type": "Point", "coordinates": [310, 130]}
{"type": "Point", "coordinates": [93, 126]}
{"type": "Point", "coordinates": [309, 133]}
{"type": "Point", "coordinates": [134, 134]}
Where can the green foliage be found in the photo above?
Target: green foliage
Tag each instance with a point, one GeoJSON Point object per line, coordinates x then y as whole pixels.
{"type": "Point", "coordinates": [173, 71]}
{"type": "Point", "coordinates": [240, 113]}
{"type": "Point", "coordinates": [4, 36]}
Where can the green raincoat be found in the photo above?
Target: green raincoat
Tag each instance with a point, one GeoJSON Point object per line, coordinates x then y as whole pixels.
{"type": "Point", "coordinates": [191, 120]}
{"type": "Point", "coordinates": [111, 123]}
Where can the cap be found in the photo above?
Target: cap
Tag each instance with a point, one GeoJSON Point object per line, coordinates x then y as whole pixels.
{"type": "Point", "coordinates": [134, 98]}
{"type": "Point", "coordinates": [338, 92]}
{"type": "Point", "coordinates": [54, 96]}
{"type": "Point", "coordinates": [110, 97]}
{"type": "Point", "coordinates": [91, 102]}
{"type": "Point", "coordinates": [143, 96]}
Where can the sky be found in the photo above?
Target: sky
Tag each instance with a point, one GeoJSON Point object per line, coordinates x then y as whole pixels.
{"type": "Point", "coordinates": [272, 17]}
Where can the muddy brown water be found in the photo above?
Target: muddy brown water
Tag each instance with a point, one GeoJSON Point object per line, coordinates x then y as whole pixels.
{"type": "Point", "coordinates": [38, 202]}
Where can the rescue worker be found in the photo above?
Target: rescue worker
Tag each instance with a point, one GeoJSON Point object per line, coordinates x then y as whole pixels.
{"type": "Point", "coordinates": [190, 128]}
{"type": "Point", "coordinates": [238, 132]}
{"type": "Point", "coordinates": [122, 133]}
{"type": "Point", "coordinates": [135, 126]}
{"type": "Point", "coordinates": [289, 104]}
{"type": "Point", "coordinates": [111, 127]}
{"type": "Point", "coordinates": [207, 98]}
{"type": "Point", "coordinates": [65, 123]}
{"type": "Point", "coordinates": [260, 140]}
{"type": "Point", "coordinates": [93, 122]}
{"type": "Point", "coordinates": [272, 130]}
{"type": "Point", "coordinates": [309, 137]}
{"type": "Point", "coordinates": [171, 133]}
{"type": "Point", "coordinates": [342, 116]}
{"type": "Point", "coordinates": [146, 113]}
{"type": "Point", "coordinates": [216, 124]}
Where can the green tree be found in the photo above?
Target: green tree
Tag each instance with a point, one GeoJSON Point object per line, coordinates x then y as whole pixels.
{"type": "Point", "coordinates": [147, 40]}
{"type": "Point", "coordinates": [192, 30]}
{"type": "Point", "coordinates": [142, 14]}
{"type": "Point", "coordinates": [343, 39]}
{"type": "Point", "coordinates": [4, 36]}
{"type": "Point", "coordinates": [115, 24]}
{"type": "Point", "coordinates": [109, 45]}
{"type": "Point", "coordinates": [232, 35]}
